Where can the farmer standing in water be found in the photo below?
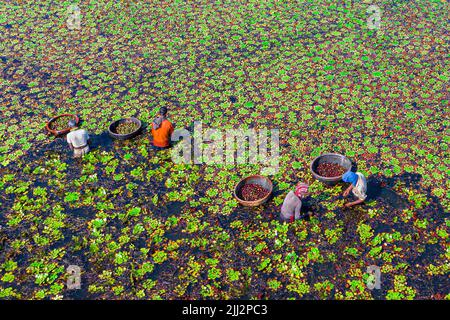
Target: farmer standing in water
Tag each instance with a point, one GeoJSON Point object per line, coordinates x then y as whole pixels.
{"type": "Point", "coordinates": [162, 130]}
{"type": "Point", "coordinates": [358, 185]}
{"type": "Point", "coordinates": [77, 140]}
{"type": "Point", "coordinates": [292, 204]}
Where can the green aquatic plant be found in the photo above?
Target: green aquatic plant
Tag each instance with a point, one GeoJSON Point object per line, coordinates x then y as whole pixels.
{"type": "Point", "coordinates": [333, 235]}
{"type": "Point", "coordinates": [401, 289]}
{"type": "Point", "coordinates": [365, 232]}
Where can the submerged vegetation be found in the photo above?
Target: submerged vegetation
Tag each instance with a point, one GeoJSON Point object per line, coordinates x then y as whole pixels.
{"type": "Point", "coordinates": [141, 227]}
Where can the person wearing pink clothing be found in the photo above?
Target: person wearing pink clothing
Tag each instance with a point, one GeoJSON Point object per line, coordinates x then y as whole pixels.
{"type": "Point", "coordinates": [290, 210]}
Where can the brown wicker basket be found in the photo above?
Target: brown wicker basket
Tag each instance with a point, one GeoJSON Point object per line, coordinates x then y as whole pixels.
{"type": "Point", "coordinates": [56, 133]}
{"type": "Point", "coordinates": [330, 158]}
{"type": "Point", "coordinates": [263, 181]}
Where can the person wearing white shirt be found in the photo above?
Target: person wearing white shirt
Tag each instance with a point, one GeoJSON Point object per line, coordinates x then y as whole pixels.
{"type": "Point", "coordinates": [358, 185]}
{"type": "Point", "coordinates": [78, 140]}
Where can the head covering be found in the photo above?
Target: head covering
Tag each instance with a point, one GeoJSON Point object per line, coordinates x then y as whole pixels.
{"type": "Point", "coordinates": [350, 177]}
{"type": "Point", "coordinates": [301, 189]}
{"type": "Point", "coordinates": [72, 123]}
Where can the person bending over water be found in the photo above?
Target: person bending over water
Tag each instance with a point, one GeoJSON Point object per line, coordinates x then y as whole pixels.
{"type": "Point", "coordinates": [292, 204]}
{"type": "Point", "coordinates": [358, 185]}
{"type": "Point", "coordinates": [78, 140]}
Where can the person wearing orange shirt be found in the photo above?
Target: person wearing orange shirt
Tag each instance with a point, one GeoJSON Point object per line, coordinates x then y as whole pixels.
{"type": "Point", "coordinates": [162, 130]}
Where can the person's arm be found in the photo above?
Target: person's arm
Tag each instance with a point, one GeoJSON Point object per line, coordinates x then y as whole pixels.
{"type": "Point", "coordinates": [347, 191]}
{"type": "Point", "coordinates": [297, 210]}
{"type": "Point", "coordinates": [351, 204]}
{"type": "Point", "coordinates": [69, 142]}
